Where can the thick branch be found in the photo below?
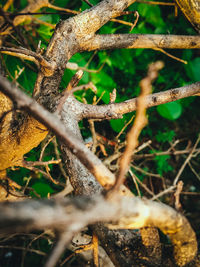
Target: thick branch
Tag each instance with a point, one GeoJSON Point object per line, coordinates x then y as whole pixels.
{"type": "Point", "coordinates": [51, 121]}
{"type": "Point", "coordinates": [114, 110]}
{"type": "Point", "coordinates": [127, 213]}
{"type": "Point", "coordinates": [70, 37]}
{"type": "Point", "coordinates": [175, 225]}
{"type": "Point", "coordinates": [113, 41]}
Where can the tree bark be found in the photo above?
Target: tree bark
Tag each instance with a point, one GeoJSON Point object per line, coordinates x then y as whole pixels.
{"type": "Point", "coordinates": [71, 36]}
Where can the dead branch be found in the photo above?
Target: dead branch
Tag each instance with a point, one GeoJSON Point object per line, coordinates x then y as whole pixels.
{"type": "Point", "coordinates": [114, 110]}
{"type": "Point", "coordinates": [91, 162]}
{"type": "Point", "coordinates": [186, 161]}
{"type": "Point", "coordinates": [139, 122]}
{"type": "Point", "coordinates": [34, 109]}
{"type": "Point", "coordinates": [72, 36]}
{"type": "Point", "coordinates": [113, 41]}
{"type": "Point", "coordinates": [38, 59]}
{"type": "Point", "coordinates": [96, 167]}
{"type": "Point", "coordinates": [71, 215]}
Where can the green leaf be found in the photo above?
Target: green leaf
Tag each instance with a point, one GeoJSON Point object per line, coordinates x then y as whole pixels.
{"type": "Point", "coordinates": [117, 124]}
{"type": "Point", "coordinates": [124, 60]}
{"type": "Point", "coordinates": [42, 189]}
{"type": "Point", "coordinates": [105, 85]}
{"type": "Point", "coordinates": [79, 59]}
{"type": "Point", "coordinates": [46, 18]}
{"type": "Point", "coordinates": [162, 164]}
{"type": "Point", "coordinates": [23, 3]}
{"type": "Point", "coordinates": [27, 79]}
{"type": "Point", "coordinates": [152, 14]}
{"type": "Point", "coordinates": [45, 32]}
{"type": "Point", "coordinates": [165, 136]}
{"type": "Point", "coordinates": [103, 79]}
{"type": "Point", "coordinates": [170, 111]}
{"type": "Point", "coordinates": [104, 94]}
{"type": "Point", "coordinates": [193, 69]}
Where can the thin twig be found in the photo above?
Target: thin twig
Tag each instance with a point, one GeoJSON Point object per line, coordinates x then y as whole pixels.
{"type": "Point", "coordinates": [170, 55]}
{"type": "Point", "coordinates": [179, 188]}
{"type": "Point", "coordinates": [64, 240]}
{"type": "Point", "coordinates": [178, 152]}
{"type": "Point", "coordinates": [94, 136]}
{"type": "Point", "coordinates": [41, 163]}
{"type": "Point", "coordinates": [74, 81]}
{"type": "Point", "coordinates": [57, 153]}
{"type": "Point", "coordinates": [186, 161]}
{"type": "Point", "coordinates": [39, 252]}
{"type": "Point", "coordinates": [141, 184]}
{"type": "Point", "coordinates": [87, 2]}
{"type": "Point", "coordinates": [156, 3]}
{"type": "Point", "coordinates": [44, 147]}
{"type": "Point", "coordinates": [124, 127]}
{"type": "Point", "coordinates": [145, 172]}
{"type": "Point", "coordinates": [193, 170]}
{"type": "Point", "coordinates": [135, 182]}
{"type": "Point", "coordinates": [117, 154]}
{"type": "Point", "coordinates": [7, 5]}
{"type": "Point", "coordinates": [136, 20]}
{"type": "Point", "coordinates": [36, 170]}
{"type": "Point", "coordinates": [139, 123]}
{"type": "Point", "coordinates": [166, 191]}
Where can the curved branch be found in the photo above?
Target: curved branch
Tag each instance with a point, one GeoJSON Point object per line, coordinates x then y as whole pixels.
{"type": "Point", "coordinates": [115, 110]}
{"type": "Point", "coordinates": [24, 53]}
{"type": "Point", "coordinates": [113, 41]}
{"type": "Point", "coordinates": [130, 212]}
{"type": "Point", "coordinates": [70, 37]}
{"type": "Point", "coordinates": [191, 12]}
{"type": "Point", "coordinates": [71, 215]}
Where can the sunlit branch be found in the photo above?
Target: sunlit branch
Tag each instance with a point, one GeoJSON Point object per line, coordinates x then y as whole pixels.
{"type": "Point", "coordinates": [116, 109]}
{"type": "Point", "coordinates": [71, 215]}
{"type": "Point", "coordinates": [170, 41]}
{"type": "Point", "coordinates": [91, 162]}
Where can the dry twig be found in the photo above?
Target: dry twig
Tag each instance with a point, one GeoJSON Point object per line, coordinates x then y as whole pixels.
{"type": "Point", "coordinates": [139, 123]}
{"type": "Point", "coordinates": [186, 161]}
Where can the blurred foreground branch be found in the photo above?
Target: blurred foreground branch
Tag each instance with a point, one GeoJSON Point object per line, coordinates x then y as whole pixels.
{"type": "Point", "coordinates": [71, 215]}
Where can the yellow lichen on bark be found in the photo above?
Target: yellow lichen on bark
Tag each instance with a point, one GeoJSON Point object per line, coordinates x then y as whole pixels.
{"type": "Point", "coordinates": [191, 10]}
{"type": "Point", "coordinates": [14, 144]}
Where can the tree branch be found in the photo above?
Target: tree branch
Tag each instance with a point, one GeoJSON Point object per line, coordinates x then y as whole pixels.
{"type": "Point", "coordinates": [115, 110]}
{"type": "Point", "coordinates": [184, 239]}
{"type": "Point", "coordinates": [92, 163]}
{"type": "Point", "coordinates": [72, 36]}
{"type": "Point", "coordinates": [71, 215]}
{"type": "Point", "coordinates": [113, 41]}
{"type": "Point", "coordinates": [51, 121]}
{"type": "Point", "coordinates": [139, 123]}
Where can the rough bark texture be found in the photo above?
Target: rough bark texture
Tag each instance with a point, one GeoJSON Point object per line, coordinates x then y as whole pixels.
{"type": "Point", "coordinates": [85, 183]}
{"type": "Point", "coordinates": [71, 36]}
{"type": "Point", "coordinates": [110, 41]}
{"type": "Point", "coordinates": [70, 215]}
{"type": "Point", "coordinates": [191, 9]}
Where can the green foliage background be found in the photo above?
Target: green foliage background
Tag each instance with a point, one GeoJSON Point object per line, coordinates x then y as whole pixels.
{"type": "Point", "coordinates": [123, 69]}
